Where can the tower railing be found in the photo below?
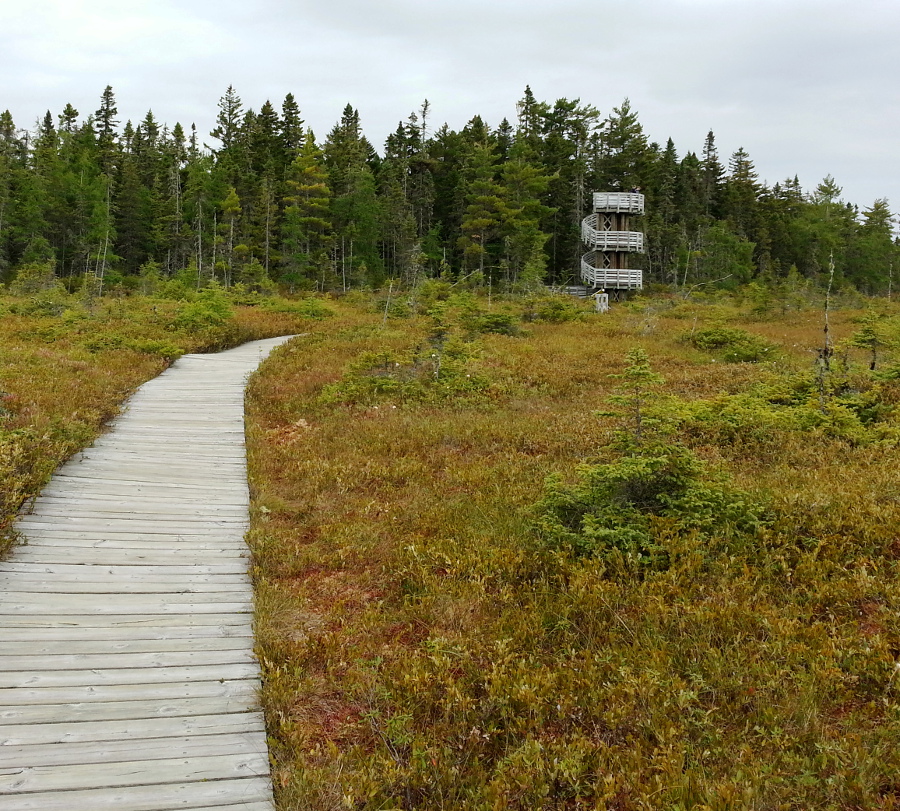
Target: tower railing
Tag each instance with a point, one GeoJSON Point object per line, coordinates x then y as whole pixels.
{"type": "Point", "coordinates": [619, 202]}
{"type": "Point", "coordinates": [609, 278]}
{"type": "Point", "coordinates": [610, 240]}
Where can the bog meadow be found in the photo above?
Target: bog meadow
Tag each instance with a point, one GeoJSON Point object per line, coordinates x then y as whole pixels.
{"type": "Point", "coordinates": [508, 552]}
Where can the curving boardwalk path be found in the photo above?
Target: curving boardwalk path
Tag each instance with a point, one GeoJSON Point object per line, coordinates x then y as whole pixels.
{"type": "Point", "coordinates": [127, 677]}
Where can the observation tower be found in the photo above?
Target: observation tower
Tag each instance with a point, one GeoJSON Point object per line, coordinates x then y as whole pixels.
{"type": "Point", "coordinates": [607, 233]}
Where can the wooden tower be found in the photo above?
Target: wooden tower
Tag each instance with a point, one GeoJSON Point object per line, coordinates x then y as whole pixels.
{"type": "Point", "coordinates": [607, 233]}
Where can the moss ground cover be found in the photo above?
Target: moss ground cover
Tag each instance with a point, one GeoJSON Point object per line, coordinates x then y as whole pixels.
{"type": "Point", "coordinates": [489, 595]}
{"type": "Point", "coordinates": [65, 367]}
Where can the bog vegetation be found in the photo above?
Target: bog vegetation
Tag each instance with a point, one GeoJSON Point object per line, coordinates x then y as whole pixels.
{"type": "Point", "coordinates": [644, 560]}
{"type": "Point", "coordinates": [508, 553]}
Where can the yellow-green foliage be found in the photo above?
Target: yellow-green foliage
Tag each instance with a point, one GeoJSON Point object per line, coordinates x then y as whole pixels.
{"type": "Point", "coordinates": [735, 345]}
{"type": "Point", "coordinates": [438, 630]}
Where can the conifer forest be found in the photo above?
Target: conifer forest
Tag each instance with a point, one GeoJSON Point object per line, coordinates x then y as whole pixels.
{"type": "Point", "coordinates": [261, 200]}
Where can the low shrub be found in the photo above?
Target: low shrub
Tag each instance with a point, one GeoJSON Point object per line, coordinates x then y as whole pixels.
{"type": "Point", "coordinates": [734, 345]}
{"type": "Point", "coordinates": [209, 309]}
{"type": "Point", "coordinates": [303, 308]}
{"type": "Point", "coordinates": [625, 508]}
{"type": "Point", "coordinates": [430, 373]}
{"type": "Point", "coordinates": [553, 309]}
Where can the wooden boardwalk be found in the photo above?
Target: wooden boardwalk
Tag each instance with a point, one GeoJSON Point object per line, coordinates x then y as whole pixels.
{"type": "Point", "coordinates": [127, 677]}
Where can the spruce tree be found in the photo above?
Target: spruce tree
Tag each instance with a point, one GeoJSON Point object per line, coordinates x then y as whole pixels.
{"type": "Point", "coordinates": [228, 119]}
{"type": "Point", "coordinates": [306, 228]}
{"type": "Point", "coordinates": [711, 175]}
{"type": "Point", "coordinates": [291, 128]}
{"type": "Point", "coordinates": [106, 122]}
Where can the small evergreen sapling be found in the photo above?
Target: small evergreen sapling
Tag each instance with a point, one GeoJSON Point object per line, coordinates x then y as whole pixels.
{"type": "Point", "coordinates": [871, 337]}
{"type": "Point", "coordinates": [638, 382]}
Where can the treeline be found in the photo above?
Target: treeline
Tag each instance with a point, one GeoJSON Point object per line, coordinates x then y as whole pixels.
{"type": "Point", "coordinates": [502, 206]}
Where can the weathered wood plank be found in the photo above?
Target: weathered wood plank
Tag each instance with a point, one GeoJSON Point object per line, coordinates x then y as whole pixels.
{"type": "Point", "coordinates": [62, 605]}
{"type": "Point", "coordinates": [118, 557]}
{"type": "Point", "coordinates": [71, 647]}
{"type": "Point", "coordinates": [133, 506]}
{"type": "Point", "coordinates": [37, 662]}
{"type": "Point", "coordinates": [140, 542]}
{"type": "Point", "coordinates": [143, 773]}
{"type": "Point", "coordinates": [126, 676]}
{"type": "Point", "coordinates": [109, 635]}
{"type": "Point", "coordinates": [199, 624]}
{"type": "Point", "coordinates": [247, 794]}
{"type": "Point", "coordinates": [42, 720]}
{"type": "Point", "coordinates": [82, 754]}
{"type": "Point", "coordinates": [136, 523]}
{"type": "Point", "coordinates": [66, 475]}
{"type": "Point", "coordinates": [38, 730]}
{"type": "Point", "coordinates": [175, 496]}
{"type": "Point", "coordinates": [62, 585]}
{"type": "Point", "coordinates": [179, 578]}
{"type": "Point", "coordinates": [163, 691]}
{"type": "Point", "coordinates": [219, 567]}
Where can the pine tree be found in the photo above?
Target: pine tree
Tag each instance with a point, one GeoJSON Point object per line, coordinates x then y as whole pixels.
{"type": "Point", "coordinates": [356, 210]}
{"type": "Point", "coordinates": [873, 251]}
{"type": "Point", "coordinates": [229, 228]}
{"type": "Point", "coordinates": [68, 118]}
{"type": "Point", "coordinates": [291, 127]}
{"type": "Point", "coordinates": [711, 175]}
{"type": "Point", "coordinates": [106, 122]}
{"type": "Point", "coordinates": [568, 154]}
{"type": "Point", "coordinates": [268, 157]}
{"type": "Point", "coordinates": [626, 154]}
{"type": "Point", "coordinates": [740, 195]}
{"type": "Point", "coordinates": [306, 229]}
{"type": "Point", "coordinates": [484, 214]}
{"type": "Point", "coordinates": [228, 120]}
{"type": "Point", "coordinates": [531, 114]}
{"type": "Point", "coordinates": [524, 187]}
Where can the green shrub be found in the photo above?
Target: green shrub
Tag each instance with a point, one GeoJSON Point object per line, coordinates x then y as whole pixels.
{"type": "Point", "coordinates": [497, 323]}
{"type": "Point", "coordinates": [209, 309]}
{"type": "Point", "coordinates": [35, 278]}
{"type": "Point", "coordinates": [305, 308]}
{"type": "Point", "coordinates": [734, 345]}
{"type": "Point", "coordinates": [151, 346]}
{"type": "Point", "coordinates": [431, 374]}
{"type": "Point", "coordinates": [553, 309]}
{"type": "Point", "coordinates": [616, 508]}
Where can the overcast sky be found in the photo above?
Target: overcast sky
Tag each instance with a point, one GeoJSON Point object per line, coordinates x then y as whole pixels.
{"type": "Point", "coordinates": [807, 87]}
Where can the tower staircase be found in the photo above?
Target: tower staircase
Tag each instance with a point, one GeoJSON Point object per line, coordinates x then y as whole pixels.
{"type": "Point", "coordinates": [607, 233]}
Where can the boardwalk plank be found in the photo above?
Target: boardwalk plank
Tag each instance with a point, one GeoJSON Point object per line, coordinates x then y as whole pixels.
{"type": "Point", "coordinates": [134, 624]}
{"type": "Point", "coordinates": [188, 746]}
{"type": "Point", "coordinates": [132, 585]}
{"type": "Point", "coordinates": [248, 794]}
{"type": "Point", "coordinates": [76, 647]}
{"type": "Point", "coordinates": [115, 676]}
{"type": "Point", "coordinates": [42, 720]}
{"type": "Point", "coordinates": [29, 733]}
{"type": "Point", "coordinates": [219, 567]}
{"type": "Point", "coordinates": [23, 779]}
{"type": "Point", "coordinates": [25, 663]}
{"type": "Point", "coordinates": [80, 694]}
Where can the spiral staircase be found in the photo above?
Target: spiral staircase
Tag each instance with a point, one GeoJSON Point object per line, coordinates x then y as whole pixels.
{"type": "Point", "coordinates": [607, 233]}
